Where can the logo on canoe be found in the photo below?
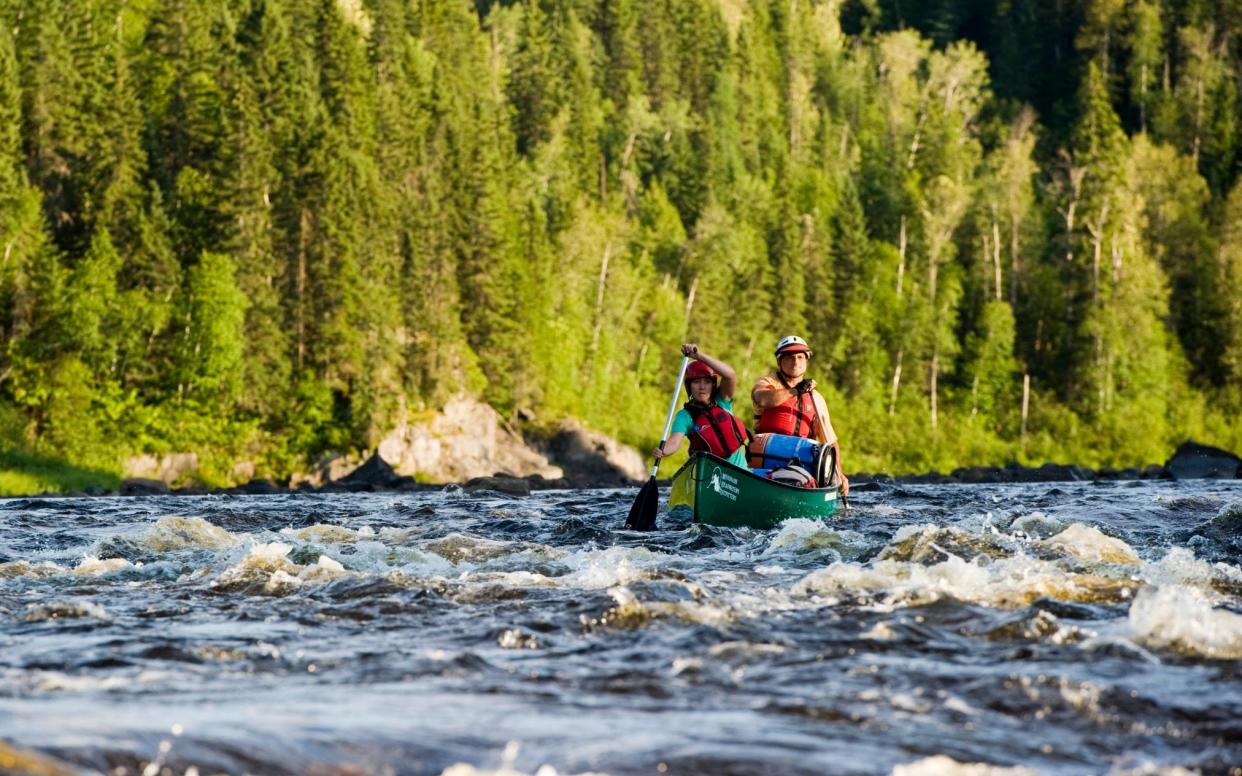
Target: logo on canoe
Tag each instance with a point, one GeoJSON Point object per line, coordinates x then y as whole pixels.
{"type": "Point", "coordinates": [724, 484]}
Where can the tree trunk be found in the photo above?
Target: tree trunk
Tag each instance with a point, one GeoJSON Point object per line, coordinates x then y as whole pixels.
{"type": "Point", "coordinates": [996, 258]}
{"type": "Point", "coordinates": [300, 282]}
{"type": "Point", "coordinates": [599, 298]}
{"type": "Point", "coordinates": [1015, 261]}
{"type": "Point", "coordinates": [892, 402]}
{"type": "Point", "coordinates": [1026, 403]}
{"type": "Point", "coordinates": [694, 286]}
{"type": "Point", "coordinates": [901, 258]}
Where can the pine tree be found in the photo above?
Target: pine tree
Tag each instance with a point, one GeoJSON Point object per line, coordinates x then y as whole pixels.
{"type": "Point", "coordinates": [261, 125]}
{"type": "Point", "coordinates": [188, 66]}
{"type": "Point", "coordinates": [1228, 272]}
{"type": "Point", "coordinates": [1144, 41]}
{"type": "Point", "coordinates": [533, 86]}
{"type": "Point", "coordinates": [24, 246]}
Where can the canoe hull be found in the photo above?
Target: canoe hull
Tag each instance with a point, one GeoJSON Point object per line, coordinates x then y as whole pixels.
{"type": "Point", "coordinates": [722, 494]}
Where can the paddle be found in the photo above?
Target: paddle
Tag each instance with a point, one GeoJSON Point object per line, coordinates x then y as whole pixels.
{"type": "Point", "coordinates": [643, 511]}
{"type": "Point", "coordinates": [820, 411]}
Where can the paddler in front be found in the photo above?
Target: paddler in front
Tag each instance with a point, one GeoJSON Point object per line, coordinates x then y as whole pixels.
{"type": "Point", "coordinates": [708, 417]}
{"type": "Point", "coordinates": [786, 402]}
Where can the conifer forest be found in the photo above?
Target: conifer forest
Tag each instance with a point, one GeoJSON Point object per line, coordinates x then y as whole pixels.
{"type": "Point", "coordinates": [1010, 229]}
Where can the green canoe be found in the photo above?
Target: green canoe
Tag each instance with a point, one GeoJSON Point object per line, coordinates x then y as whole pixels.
{"type": "Point", "coordinates": [722, 494]}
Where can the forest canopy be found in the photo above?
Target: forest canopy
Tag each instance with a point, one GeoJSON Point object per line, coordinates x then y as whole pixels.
{"type": "Point", "coordinates": [1010, 229]}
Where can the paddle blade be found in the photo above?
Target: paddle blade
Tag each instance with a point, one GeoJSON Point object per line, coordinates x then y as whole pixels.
{"type": "Point", "coordinates": [643, 511]}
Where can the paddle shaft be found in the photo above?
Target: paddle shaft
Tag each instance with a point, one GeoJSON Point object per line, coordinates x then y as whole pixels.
{"type": "Point", "coordinates": [820, 410]}
{"type": "Point", "coordinates": [672, 409]}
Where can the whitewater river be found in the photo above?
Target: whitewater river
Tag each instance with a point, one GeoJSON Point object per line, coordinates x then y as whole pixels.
{"type": "Point", "coordinates": [1070, 628]}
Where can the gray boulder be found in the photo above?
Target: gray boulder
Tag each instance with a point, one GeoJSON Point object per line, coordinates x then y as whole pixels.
{"type": "Point", "coordinates": [373, 473]}
{"type": "Point", "coordinates": [143, 486]}
{"type": "Point", "coordinates": [512, 486]}
{"type": "Point", "coordinates": [981, 474]}
{"type": "Point", "coordinates": [1193, 461]}
{"type": "Point", "coordinates": [586, 454]}
{"type": "Point", "coordinates": [259, 487]}
{"type": "Point", "coordinates": [1054, 472]}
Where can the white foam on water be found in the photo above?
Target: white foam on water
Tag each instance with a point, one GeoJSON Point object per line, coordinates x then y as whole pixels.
{"type": "Point", "coordinates": [269, 564]}
{"type": "Point", "coordinates": [323, 570]}
{"type": "Point", "coordinates": [281, 582]}
{"type": "Point", "coordinates": [733, 650]}
{"type": "Point", "coordinates": [629, 612]}
{"type": "Point", "coordinates": [1003, 582]}
{"type": "Point", "coordinates": [260, 564]}
{"type": "Point", "coordinates": [512, 638]}
{"type": "Point", "coordinates": [1182, 619]}
{"type": "Point", "coordinates": [22, 568]}
{"type": "Point", "coordinates": [56, 681]}
{"type": "Point", "coordinates": [516, 579]}
{"type": "Point", "coordinates": [940, 765]}
{"type": "Point", "coordinates": [883, 510]}
{"type": "Point", "coordinates": [1179, 566]}
{"type": "Point", "coordinates": [462, 769]}
{"type": "Point", "coordinates": [64, 610]}
{"type": "Point", "coordinates": [458, 547]}
{"type": "Point", "coordinates": [379, 558]}
{"type": "Point", "coordinates": [914, 529]}
{"type": "Point", "coordinates": [601, 569]}
{"type": "Point", "coordinates": [395, 536]}
{"type": "Point", "coordinates": [1036, 524]}
{"type": "Point", "coordinates": [930, 543]}
{"type": "Point", "coordinates": [802, 535]}
{"type": "Point", "coordinates": [1088, 543]}
{"type": "Point", "coordinates": [508, 758]}
{"type": "Point", "coordinates": [330, 534]}
{"type": "Point", "coordinates": [880, 632]}
{"type": "Point", "coordinates": [93, 566]}
{"type": "Point", "coordinates": [173, 532]}
{"type": "Point", "coordinates": [1151, 769]}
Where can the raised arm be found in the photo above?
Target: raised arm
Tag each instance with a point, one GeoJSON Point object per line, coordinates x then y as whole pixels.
{"type": "Point", "coordinates": [728, 378]}
{"type": "Point", "coordinates": [769, 393]}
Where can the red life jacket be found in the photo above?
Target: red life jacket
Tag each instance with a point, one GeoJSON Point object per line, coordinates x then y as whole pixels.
{"type": "Point", "coordinates": [795, 416]}
{"type": "Point", "coordinates": [714, 429]}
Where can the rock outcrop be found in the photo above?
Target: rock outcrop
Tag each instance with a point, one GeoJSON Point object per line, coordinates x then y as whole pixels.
{"type": "Point", "coordinates": [1193, 461]}
{"type": "Point", "coordinates": [586, 454]}
{"type": "Point", "coordinates": [467, 439]}
{"type": "Point", "coordinates": [167, 468]}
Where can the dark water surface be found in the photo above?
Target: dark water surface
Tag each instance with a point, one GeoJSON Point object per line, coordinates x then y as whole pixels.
{"type": "Point", "coordinates": [971, 630]}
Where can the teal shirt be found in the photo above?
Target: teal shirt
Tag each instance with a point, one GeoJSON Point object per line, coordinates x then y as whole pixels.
{"type": "Point", "coordinates": [682, 424]}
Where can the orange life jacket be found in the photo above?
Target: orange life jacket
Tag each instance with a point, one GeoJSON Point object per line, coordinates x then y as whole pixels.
{"type": "Point", "coordinates": [714, 429]}
{"type": "Point", "coordinates": [795, 416]}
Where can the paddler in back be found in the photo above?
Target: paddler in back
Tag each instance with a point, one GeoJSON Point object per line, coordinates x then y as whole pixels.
{"type": "Point", "coordinates": [708, 419]}
{"type": "Point", "coordinates": [786, 402]}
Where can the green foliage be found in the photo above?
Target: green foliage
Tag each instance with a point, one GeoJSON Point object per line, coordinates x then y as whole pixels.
{"type": "Point", "coordinates": [268, 229]}
{"type": "Point", "coordinates": [212, 316]}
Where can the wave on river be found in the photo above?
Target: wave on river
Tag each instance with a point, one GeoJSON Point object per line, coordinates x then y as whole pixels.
{"type": "Point", "coordinates": [948, 630]}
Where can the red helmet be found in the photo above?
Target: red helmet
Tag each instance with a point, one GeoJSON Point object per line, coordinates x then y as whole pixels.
{"type": "Point", "coordinates": [698, 369]}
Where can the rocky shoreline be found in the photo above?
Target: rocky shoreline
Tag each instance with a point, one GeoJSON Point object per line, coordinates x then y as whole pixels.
{"type": "Point", "coordinates": [587, 466]}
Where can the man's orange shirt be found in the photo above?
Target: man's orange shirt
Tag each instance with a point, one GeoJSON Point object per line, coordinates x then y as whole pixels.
{"type": "Point", "coordinates": [771, 382]}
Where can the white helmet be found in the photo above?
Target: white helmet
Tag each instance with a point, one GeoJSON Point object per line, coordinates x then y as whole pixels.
{"type": "Point", "coordinates": [792, 344]}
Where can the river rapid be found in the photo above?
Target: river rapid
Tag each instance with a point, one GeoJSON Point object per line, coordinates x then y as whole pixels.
{"type": "Point", "coordinates": [1066, 628]}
